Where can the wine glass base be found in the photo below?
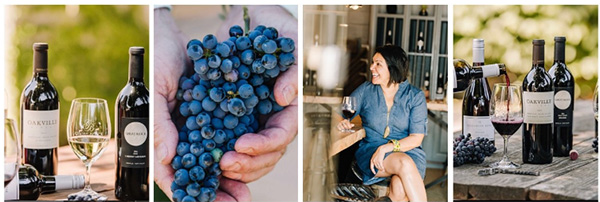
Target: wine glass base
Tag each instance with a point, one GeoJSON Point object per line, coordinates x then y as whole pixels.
{"type": "Point", "coordinates": [87, 195]}
{"type": "Point", "coordinates": [348, 131]}
{"type": "Point", "coordinates": [504, 165]}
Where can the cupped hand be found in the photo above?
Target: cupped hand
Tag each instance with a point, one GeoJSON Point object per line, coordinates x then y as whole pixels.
{"type": "Point", "coordinates": [256, 154]}
{"type": "Point", "coordinates": [170, 62]}
{"type": "Point", "coordinates": [377, 159]}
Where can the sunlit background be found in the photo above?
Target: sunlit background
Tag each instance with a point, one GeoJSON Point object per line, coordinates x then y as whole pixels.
{"type": "Point", "coordinates": [88, 51]}
{"type": "Point", "coordinates": [509, 30]}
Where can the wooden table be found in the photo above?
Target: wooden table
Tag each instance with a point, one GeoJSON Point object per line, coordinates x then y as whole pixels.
{"type": "Point", "coordinates": [102, 174]}
{"type": "Point", "coordinates": [563, 179]}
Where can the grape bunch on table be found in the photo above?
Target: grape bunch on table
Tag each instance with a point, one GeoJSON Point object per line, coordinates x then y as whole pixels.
{"type": "Point", "coordinates": [230, 90]}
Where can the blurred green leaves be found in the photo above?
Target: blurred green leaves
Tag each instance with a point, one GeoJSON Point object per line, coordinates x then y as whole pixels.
{"type": "Point", "coordinates": [509, 30]}
{"type": "Point", "coordinates": [88, 50]}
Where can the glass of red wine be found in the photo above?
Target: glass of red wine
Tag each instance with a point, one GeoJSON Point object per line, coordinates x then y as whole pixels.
{"type": "Point", "coordinates": [348, 110]}
{"type": "Point", "coordinates": [506, 113]}
{"type": "Point", "coordinates": [12, 151]}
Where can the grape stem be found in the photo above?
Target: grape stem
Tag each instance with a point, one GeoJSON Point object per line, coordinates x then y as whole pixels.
{"type": "Point", "coordinates": [246, 19]}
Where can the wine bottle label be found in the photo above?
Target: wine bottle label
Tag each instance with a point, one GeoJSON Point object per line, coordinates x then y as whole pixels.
{"type": "Point", "coordinates": [538, 107]}
{"type": "Point", "coordinates": [563, 102]}
{"type": "Point", "coordinates": [478, 126]}
{"type": "Point", "coordinates": [490, 70]}
{"type": "Point", "coordinates": [40, 129]}
{"type": "Point", "coordinates": [133, 152]}
{"type": "Point", "coordinates": [11, 190]}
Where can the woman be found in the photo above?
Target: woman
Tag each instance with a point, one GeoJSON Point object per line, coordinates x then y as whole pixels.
{"type": "Point", "coordinates": [392, 146]}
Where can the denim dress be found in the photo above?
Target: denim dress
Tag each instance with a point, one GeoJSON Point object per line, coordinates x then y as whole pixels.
{"type": "Point", "coordinates": [408, 115]}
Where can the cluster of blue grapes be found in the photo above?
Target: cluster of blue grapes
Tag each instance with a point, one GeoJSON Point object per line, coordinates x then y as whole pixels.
{"type": "Point", "coordinates": [468, 150]}
{"type": "Point", "coordinates": [231, 87]}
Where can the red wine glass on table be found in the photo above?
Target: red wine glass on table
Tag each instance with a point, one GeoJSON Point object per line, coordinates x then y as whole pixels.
{"type": "Point", "coordinates": [507, 117]}
{"type": "Point", "coordinates": [88, 133]}
{"type": "Point", "coordinates": [348, 110]}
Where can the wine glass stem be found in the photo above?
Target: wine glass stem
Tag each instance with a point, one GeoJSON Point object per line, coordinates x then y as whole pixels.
{"type": "Point", "coordinates": [88, 167]}
{"type": "Point", "coordinates": [504, 157]}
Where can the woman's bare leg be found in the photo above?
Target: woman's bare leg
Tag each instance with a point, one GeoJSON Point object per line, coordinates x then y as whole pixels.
{"type": "Point", "coordinates": [403, 166]}
{"type": "Point", "coordinates": [397, 192]}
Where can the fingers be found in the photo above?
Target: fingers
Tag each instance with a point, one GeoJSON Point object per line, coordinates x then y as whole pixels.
{"type": "Point", "coordinates": [242, 163]}
{"type": "Point", "coordinates": [280, 130]}
{"type": "Point", "coordinates": [286, 87]}
{"type": "Point", "coordinates": [231, 190]}
{"type": "Point", "coordinates": [163, 176]}
{"type": "Point", "coordinates": [345, 125]}
{"type": "Point", "coordinates": [249, 177]}
{"type": "Point", "coordinates": [165, 132]}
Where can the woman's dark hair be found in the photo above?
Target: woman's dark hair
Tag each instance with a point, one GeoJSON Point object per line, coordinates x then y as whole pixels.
{"type": "Point", "coordinates": [397, 62]}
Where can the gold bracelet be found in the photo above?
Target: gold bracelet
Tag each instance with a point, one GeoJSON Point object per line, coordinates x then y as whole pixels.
{"type": "Point", "coordinates": [396, 145]}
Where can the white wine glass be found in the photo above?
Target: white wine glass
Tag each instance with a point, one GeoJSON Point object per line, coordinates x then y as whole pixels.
{"type": "Point", "coordinates": [348, 110]}
{"type": "Point", "coordinates": [506, 114]}
{"type": "Point", "coordinates": [88, 133]}
{"type": "Point", "coordinates": [12, 151]}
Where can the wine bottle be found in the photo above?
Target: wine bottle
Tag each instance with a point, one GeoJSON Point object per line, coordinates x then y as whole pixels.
{"type": "Point", "coordinates": [463, 73]}
{"type": "Point", "coordinates": [476, 102]}
{"type": "Point", "coordinates": [564, 85]}
{"type": "Point", "coordinates": [31, 184]}
{"type": "Point", "coordinates": [131, 115]}
{"type": "Point", "coordinates": [40, 116]}
{"type": "Point", "coordinates": [538, 108]}
{"type": "Point", "coordinates": [420, 43]}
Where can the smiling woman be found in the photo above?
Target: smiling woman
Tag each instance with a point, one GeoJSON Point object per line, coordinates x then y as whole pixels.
{"type": "Point", "coordinates": [392, 146]}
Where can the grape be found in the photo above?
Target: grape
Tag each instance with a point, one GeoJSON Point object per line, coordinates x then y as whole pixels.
{"type": "Point", "coordinates": [220, 136]}
{"type": "Point", "coordinates": [199, 92]}
{"type": "Point", "coordinates": [226, 65]}
{"type": "Point", "coordinates": [195, 52]}
{"type": "Point", "coordinates": [236, 31]}
{"type": "Point", "coordinates": [269, 46]}
{"type": "Point", "coordinates": [467, 150]}
{"type": "Point", "coordinates": [178, 195]}
{"type": "Point", "coordinates": [214, 61]}
{"type": "Point", "coordinates": [270, 33]}
{"type": "Point", "coordinates": [287, 45]}
{"type": "Point", "coordinates": [595, 144]}
{"type": "Point", "coordinates": [231, 85]}
{"type": "Point", "coordinates": [196, 148]}
{"type": "Point", "coordinates": [243, 43]}
{"type": "Point", "coordinates": [230, 121]}
{"type": "Point", "coordinates": [247, 57]}
{"type": "Point", "coordinates": [286, 59]}
{"type": "Point", "coordinates": [194, 136]}
{"type": "Point", "coordinates": [182, 177]}
{"type": "Point", "coordinates": [269, 61]}
{"type": "Point", "coordinates": [209, 41]}
{"type": "Point", "coordinates": [243, 72]}
{"type": "Point", "coordinates": [246, 90]}
{"type": "Point", "coordinates": [236, 107]}
{"type": "Point", "coordinates": [223, 50]}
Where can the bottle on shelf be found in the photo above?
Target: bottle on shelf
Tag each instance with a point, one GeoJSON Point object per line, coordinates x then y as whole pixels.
{"type": "Point", "coordinates": [538, 108]}
{"type": "Point", "coordinates": [564, 86]}
{"type": "Point", "coordinates": [31, 184]}
{"type": "Point", "coordinates": [131, 122]}
{"type": "Point", "coordinates": [40, 116]}
{"type": "Point", "coordinates": [464, 73]}
{"type": "Point", "coordinates": [476, 101]}
{"type": "Point", "coordinates": [420, 43]}
{"type": "Point", "coordinates": [423, 11]}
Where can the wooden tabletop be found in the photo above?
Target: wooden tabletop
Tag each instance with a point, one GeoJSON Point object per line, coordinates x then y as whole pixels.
{"type": "Point", "coordinates": [103, 172]}
{"type": "Point", "coordinates": [563, 179]}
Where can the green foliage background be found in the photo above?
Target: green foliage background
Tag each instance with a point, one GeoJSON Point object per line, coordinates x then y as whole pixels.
{"type": "Point", "coordinates": [88, 51]}
{"type": "Point", "coordinates": [509, 30]}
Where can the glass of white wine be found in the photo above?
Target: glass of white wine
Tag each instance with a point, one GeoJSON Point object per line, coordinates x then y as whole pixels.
{"type": "Point", "coordinates": [88, 133]}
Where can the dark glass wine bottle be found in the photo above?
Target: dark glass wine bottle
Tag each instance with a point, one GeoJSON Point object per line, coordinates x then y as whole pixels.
{"type": "Point", "coordinates": [463, 73]}
{"type": "Point", "coordinates": [30, 184]}
{"type": "Point", "coordinates": [538, 108]}
{"type": "Point", "coordinates": [564, 86]}
{"type": "Point", "coordinates": [476, 102]}
{"type": "Point", "coordinates": [40, 116]}
{"type": "Point", "coordinates": [131, 122]}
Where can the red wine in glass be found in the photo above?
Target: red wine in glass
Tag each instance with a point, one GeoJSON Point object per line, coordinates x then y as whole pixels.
{"type": "Point", "coordinates": [507, 127]}
{"type": "Point", "coordinates": [348, 109]}
{"type": "Point", "coordinates": [348, 113]}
